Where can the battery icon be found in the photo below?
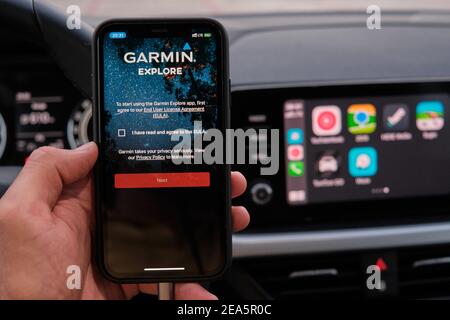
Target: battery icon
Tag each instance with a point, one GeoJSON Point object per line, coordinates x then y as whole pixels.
{"type": "Point", "coordinates": [207, 35]}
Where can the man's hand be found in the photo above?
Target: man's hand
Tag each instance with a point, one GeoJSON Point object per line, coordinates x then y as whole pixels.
{"type": "Point", "coordinates": [46, 225]}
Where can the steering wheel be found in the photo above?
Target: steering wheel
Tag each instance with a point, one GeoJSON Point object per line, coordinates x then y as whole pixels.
{"type": "Point", "coordinates": [44, 24]}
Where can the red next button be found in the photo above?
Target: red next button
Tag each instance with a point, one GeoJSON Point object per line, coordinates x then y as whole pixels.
{"type": "Point", "coordinates": [161, 180]}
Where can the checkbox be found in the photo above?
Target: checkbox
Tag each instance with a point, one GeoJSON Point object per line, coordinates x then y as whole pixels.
{"type": "Point", "coordinates": [121, 133]}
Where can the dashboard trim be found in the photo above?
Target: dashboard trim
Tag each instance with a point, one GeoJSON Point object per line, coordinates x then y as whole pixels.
{"type": "Point", "coordinates": [269, 244]}
{"type": "Point", "coordinates": [319, 83]}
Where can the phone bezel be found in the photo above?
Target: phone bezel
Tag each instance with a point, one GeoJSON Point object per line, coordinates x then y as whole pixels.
{"type": "Point", "coordinates": [97, 125]}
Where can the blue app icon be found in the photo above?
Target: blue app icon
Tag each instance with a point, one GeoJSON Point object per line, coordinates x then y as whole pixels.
{"type": "Point", "coordinates": [295, 136]}
{"type": "Point", "coordinates": [362, 162]}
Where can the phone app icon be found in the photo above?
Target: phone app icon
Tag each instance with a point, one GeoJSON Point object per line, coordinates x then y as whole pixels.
{"type": "Point", "coordinates": [295, 168]}
{"type": "Point", "coordinates": [430, 115]}
{"type": "Point", "coordinates": [361, 118]}
{"type": "Point", "coordinates": [328, 164]}
{"type": "Point", "coordinates": [362, 162]}
{"type": "Point", "coordinates": [295, 152]}
{"type": "Point", "coordinates": [396, 117]}
{"type": "Point", "coordinates": [295, 136]}
{"type": "Point", "coordinates": [327, 120]}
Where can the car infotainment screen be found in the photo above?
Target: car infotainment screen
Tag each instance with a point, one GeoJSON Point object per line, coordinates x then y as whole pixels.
{"type": "Point", "coordinates": [366, 148]}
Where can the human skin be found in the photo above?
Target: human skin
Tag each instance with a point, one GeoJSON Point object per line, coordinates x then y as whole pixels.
{"type": "Point", "coordinates": [46, 225]}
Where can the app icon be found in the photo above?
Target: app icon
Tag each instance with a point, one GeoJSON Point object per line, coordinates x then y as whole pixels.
{"type": "Point", "coordinates": [430, 115]}
{"type": "Point", "coordinates": [361, 118]}
{"type": "Point", "coordinates": [362, 162]}
{"type": "Point", "coordinates": [327, 164]}
{"type": "Point", "coordinates": [297, 195]}
{"type": "Point", "coordinates": [295, 136]}
{"type": "Point", "coordinates": [327, 120]}
{"type": "Point", "coordinates": [396, 117]}
{"type": "Point", "coordinates": [295, 152]}
{"type": "Point", "coordinates": [295, 168]}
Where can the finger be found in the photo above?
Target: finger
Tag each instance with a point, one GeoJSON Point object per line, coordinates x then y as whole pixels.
{"type": "Point", "coordinates": [240, 218]}
{"type": "Point", "coordinates": [148, 288]}
{"type": "Point", "coordinates": [130, 290]}
{"type": "Point", "coordinates": [48, 169]}
{"type": "Point", "coordinates": [238, 184]}
{"type": "Point", "coordinates": [192, 291]}
{"type": "Point", "coordinates": [183, 291]}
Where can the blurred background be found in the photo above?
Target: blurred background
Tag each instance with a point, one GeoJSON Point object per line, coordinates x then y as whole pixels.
{"type": "Point", "coordinates": [134, 8]}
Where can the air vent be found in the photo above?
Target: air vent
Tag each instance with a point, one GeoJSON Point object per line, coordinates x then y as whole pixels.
{"type": "Point", "coordinates": [307, 277]}
{"type": "Point", "coordinates": [420, 273]}
{"type": "Point", "coordinates": [424, 273]}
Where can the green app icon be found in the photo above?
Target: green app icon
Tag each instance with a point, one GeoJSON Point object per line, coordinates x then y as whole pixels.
{"type": "Point", "coordinates": [295, 168]}
{"type": "Point", "coordinates": [361, 118]}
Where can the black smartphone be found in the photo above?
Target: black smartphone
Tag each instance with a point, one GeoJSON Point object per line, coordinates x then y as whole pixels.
{"type": "Point", "coordinates": [163, 214]}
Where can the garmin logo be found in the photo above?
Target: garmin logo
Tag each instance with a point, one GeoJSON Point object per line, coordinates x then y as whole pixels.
{"type": "Point", "coordinates": [159, 57]}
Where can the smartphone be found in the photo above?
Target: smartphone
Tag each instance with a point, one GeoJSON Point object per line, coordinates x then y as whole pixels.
{"type": "Point", "coordinates": [162, 213]}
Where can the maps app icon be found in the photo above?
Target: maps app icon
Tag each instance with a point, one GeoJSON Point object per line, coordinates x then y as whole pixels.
{"type": "Point", "coordinates": [430, 115]}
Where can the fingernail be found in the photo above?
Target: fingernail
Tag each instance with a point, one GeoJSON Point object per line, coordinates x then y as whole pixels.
{"type": "Point", "coordinates": [85, 146]}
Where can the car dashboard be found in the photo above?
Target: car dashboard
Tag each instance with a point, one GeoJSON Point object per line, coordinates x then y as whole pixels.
{"type": "Point", "coordinates": [39, 106]}
{"type": "Point", "coordinates": [318, 222]}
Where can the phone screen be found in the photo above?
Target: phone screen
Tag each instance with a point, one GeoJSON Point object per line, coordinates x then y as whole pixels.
{"type": "Point", "coordinates": [163, 213]}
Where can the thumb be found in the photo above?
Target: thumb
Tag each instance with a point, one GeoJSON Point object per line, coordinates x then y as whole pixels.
{"type": "Point", "coordinates": [48, 170]}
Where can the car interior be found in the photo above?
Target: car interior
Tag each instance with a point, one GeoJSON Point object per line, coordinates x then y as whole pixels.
{"type": "Point", "coordinates": [364, 122]}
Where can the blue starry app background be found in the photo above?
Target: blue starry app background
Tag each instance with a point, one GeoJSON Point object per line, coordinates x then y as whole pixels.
{"type": "Point", "coordinates": [122, 83]}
